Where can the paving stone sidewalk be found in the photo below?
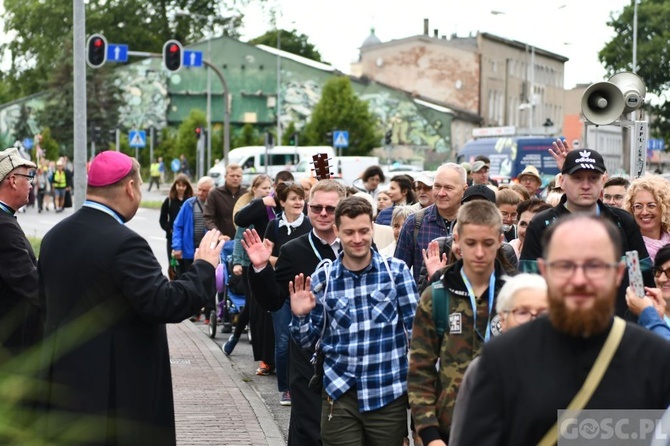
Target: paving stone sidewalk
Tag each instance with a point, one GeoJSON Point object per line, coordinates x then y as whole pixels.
{"type": "Point", "coordinates": [213, 405]}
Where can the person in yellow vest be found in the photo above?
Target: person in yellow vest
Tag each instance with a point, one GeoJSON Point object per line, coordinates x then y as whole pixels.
{"type": "Point", "coordinates": [61, 183]}
{"type": "Point", "coordinates": [155, 173]}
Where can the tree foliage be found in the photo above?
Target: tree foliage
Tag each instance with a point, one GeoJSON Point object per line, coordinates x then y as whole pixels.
{"type": "Point", "coordinates": [290, 41]}
{"type": "Point", "coordinates": [249, 136]}
{"type": "Point", "coordinates": [653, 53]}
{"type": "Point", "coordinates": [41, 28]}
{"type": "Point", "coordinates": [340, 109]}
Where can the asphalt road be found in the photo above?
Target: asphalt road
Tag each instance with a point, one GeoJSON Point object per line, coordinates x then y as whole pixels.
{"type": "Point", "coordinates": [146, 224]}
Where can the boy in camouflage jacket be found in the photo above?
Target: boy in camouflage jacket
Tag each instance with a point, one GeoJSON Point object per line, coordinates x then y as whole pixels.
{"type": "Point", "coordinates": [476, 277]}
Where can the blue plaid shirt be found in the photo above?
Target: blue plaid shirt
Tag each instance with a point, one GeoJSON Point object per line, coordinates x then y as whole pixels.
{"type": "Point", "coordinates": [432, 227]}
{"type": "Point", "coordinates": [369, 326]}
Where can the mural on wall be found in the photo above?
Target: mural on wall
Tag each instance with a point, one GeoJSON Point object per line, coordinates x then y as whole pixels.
{"type": "Point", "coordinates": [145, 94]}
{"type": "Point", "coordinates": [409, 126]}
{"type": "Point", "coordinates": [10, 114]}
{"type": "Point", "coordinates": [298, 99]}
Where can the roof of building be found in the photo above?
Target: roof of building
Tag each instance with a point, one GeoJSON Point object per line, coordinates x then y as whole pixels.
{"type": "Point", "coordinates": [371, 40]}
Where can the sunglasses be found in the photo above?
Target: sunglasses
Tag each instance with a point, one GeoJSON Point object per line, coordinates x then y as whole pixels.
{"type": "Point", "coordinates": [319, 209]}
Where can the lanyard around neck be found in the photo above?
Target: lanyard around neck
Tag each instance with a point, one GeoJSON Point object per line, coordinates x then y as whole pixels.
{"type": "Point", "coordinates": [6, 208]}
{"type": "Point", "coordinates": [471, 294]}
{"type": "Point", "coordinates": [316, 253]}
{"type": "Point", "coordinates": [103, 208]}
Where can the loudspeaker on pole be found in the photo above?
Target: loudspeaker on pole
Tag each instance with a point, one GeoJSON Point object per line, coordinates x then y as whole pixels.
{"type": "Point", "coordinates": [633, 89]}
{"type": "Point", "coordinates": [602, 103]}
{"type": "Point", "coordinates": [605, 102]}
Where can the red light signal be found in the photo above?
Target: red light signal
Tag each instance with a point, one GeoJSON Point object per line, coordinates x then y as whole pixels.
{"type": "Point", "coordinates": [198, 132]}
{"type": "Point", "coordinates": [96, 51]}
{"type": "Point", "coordinates": [172, 55]}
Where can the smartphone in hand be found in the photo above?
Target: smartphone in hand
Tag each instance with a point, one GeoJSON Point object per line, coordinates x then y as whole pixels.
{"type": "Point", "coordinates": [635, 273]}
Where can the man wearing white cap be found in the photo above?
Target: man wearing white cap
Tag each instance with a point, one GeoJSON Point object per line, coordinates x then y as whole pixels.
{"type": "Point", "coordinates": [105, 352]}
{"type": "Point", "coordinates": [20, 320]}
{"type": "Point", "coordinates": [423, 184]}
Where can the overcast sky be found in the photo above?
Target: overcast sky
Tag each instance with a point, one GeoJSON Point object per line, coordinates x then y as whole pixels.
{"type": "Point", "coordinates": [573, 28]}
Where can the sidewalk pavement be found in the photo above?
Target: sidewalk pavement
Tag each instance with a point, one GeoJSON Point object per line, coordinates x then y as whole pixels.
{"type": "Point", "coordinates": [213, 404]}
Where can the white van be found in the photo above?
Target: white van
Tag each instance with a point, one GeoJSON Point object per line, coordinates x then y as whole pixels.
{"type": "Point", "coordinates": [253, 160]}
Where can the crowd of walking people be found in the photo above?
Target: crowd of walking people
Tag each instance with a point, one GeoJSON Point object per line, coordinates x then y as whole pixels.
{"type": "Point", "coordinates": [438, 309]}
{"type": "Point", "coordinates": [397, 287]}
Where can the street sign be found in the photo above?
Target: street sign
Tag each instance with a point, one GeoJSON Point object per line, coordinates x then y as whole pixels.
{"type": "Point", "coordinates": [137, 138]}
{"type": "Point", "coordinates": [341, 138]}
{"type": "Point", "coordinates": [117, 52]}
{"type": "Point", "coordinates": [175, 165]}
{"type": "Point", "coordinates": [27, 143]}
{"type": "Point", "coordinates": [192, 58]}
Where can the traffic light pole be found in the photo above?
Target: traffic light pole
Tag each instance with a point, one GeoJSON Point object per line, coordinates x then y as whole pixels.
{"type": "Point", "coordinates": [79, 69]}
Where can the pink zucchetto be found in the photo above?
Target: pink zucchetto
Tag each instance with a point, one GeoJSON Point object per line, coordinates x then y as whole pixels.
{"type": "Point", "coordinates": [108, 168]}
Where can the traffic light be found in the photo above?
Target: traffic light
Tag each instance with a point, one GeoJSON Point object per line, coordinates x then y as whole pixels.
{"type": "Point", "coordinates": [269, 139]}
{"type": "Point", "coordinates": [387, 137]}
{"type": "Point", "coordinates": [198, 133]}
{"type": "Point", "coordinates": [96, 51]}
{"type": "Point", "coordinates": [329, 138]}
{"type": "Point", "coordinates": [97, 134]}
{"type": "Point", "coordinates": [293, 140]}
{"type": "Point", "coordinates": [172, 55]}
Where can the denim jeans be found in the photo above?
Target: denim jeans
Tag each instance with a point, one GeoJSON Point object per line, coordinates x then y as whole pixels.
{"type": "Point", "coordinates": [281, 320]}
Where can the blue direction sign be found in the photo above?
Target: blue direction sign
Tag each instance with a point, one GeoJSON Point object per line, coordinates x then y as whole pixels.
{"type": "Point", "coordinates": [27, 143]}
{"type": "Point", "coordinates": [192, 58]}
{"type": "Point", "coordinates": [137, 138]}
{"type": "Point", "coordinates": [341, 138]}
{"type": "Point", "coordinates": [117, 52]}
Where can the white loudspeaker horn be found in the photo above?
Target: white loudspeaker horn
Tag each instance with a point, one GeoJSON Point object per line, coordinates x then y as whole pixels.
{"type": "Point", "coordinates": [603, 103]}
{"type": "Point", "coordinates": [633, 89]}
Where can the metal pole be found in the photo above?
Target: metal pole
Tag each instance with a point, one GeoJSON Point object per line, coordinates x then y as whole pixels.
{"type": "Point", "coordinates": [209, 106]}
{"type": "Point", "coordinates": [151, 145]}
{"type": "Point", "coordinates": [226, 111]}
{"type": "Point", "coordinates": [278, 86]}
{"type": "Point", "coordinates": [118, 140]}
{"type": "Point", "coordinates": [79, 75]}
{"type": "Point", "coordinates": [634, 36]}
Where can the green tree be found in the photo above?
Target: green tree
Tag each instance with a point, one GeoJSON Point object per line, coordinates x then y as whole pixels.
{"type": "Point", "coordinates": [290, 41]}
{"type": "Point", "coordinates": [49, 145]}
{"type": "Point", "coordinates": [288, 133]}
{"type": "Point", "coordinates": [340, 108]}
{"type": "Point", "coordinates": [40, 30]}
{"type": "Point", "coordinates": [652, 55]}
{"type": "Point", "coordinates": [247, 137]}
{"type": "Point", "coordinates": [186, 138]}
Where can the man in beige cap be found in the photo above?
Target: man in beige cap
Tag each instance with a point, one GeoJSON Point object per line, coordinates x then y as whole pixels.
{"type": "Point", "coordinates": [20, 320]}
{"type": "Point", "coordinates": [530, 179]}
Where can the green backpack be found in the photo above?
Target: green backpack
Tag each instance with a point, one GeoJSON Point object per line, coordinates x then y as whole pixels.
{"type": "Point", "coordinates": [440, 308]}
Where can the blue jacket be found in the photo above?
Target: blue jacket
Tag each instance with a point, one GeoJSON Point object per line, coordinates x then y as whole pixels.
{"type": "Point", "coordinates": [182, 230]}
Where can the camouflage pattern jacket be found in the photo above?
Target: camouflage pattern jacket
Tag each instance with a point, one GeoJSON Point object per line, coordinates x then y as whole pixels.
{"type": "Point", "coordinates": [432, 393]}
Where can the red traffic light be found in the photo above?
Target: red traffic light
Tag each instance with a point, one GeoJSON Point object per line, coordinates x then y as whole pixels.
{"type": "Point", "coordinates": [172, 55]}
{"type": "Point", "coordinates": [96, 51]}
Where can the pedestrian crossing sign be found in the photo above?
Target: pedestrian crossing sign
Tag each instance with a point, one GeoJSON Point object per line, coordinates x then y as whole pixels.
{"type": "Point", "coordinates": [137, 138]}
{"type": "Point", "coordinates": [341, 138]}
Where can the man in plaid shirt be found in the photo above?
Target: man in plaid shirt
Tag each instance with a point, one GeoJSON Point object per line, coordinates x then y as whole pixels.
{"type": "Point", "coordinates": [435, 221]}
{"type": "Point", "coordinates": [369, 303]}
